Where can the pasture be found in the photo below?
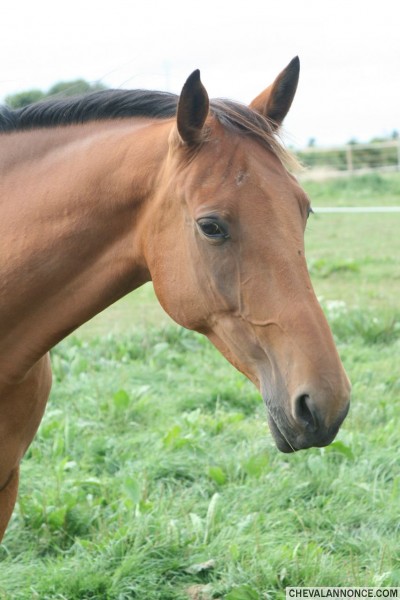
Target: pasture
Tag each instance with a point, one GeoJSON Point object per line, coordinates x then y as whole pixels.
{"type": "Point", "coordinates": [154, 475]}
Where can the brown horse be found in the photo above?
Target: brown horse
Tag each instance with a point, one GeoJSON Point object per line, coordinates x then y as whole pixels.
{"type": "Point", "coordinates": [103, 193]}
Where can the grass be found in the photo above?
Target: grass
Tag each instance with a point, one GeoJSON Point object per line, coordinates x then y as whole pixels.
{"type": "Point", "coordinates": [154, 476]}
{"type": "Point", "coordinates": [372, 189]}
{"type": "Point", "coordinates": [352, 257]}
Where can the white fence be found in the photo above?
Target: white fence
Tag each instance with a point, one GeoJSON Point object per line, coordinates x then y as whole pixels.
{"type": "Point", "coordinates": [350, 159]}
{"type": "Point", "coordinates": [356, 209]}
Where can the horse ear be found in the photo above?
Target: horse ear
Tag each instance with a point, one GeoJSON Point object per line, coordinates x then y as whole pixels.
{"type": "Point", "coordinates": [192, 109]}
{"type": "Point", "coordinates": [275, 101]}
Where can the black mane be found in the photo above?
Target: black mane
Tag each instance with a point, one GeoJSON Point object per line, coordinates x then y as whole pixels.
{"type": "Point", "coordinates": [101, 105]}
{"type": "Point", "coordinates": [119, 104]}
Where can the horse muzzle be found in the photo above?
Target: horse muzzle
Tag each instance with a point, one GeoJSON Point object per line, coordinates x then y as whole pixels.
{"type": "Point", "coordinates": [306, 426]}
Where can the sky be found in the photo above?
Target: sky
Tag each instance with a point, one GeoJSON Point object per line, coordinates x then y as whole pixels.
{"type": "Point", "coordinates": [349, 52]}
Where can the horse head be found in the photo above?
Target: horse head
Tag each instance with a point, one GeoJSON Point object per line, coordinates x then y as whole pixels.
{"type": "Point", "coordinates": [224, 244]}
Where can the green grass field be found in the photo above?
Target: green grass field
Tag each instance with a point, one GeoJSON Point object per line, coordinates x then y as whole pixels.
{"type": "Point", "coordinates": [154, 475]}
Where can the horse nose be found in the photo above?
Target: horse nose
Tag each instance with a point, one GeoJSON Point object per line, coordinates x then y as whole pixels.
{"type": "Point", "coordinates": [305, 413]}
{"type": "Point", "coordinates": [317, 425]}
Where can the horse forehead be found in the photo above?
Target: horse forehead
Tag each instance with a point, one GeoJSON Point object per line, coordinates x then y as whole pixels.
{"type": "Point", "coordinates": [237, 161]}
{"type": "Point", "coordinates": [246, 179]}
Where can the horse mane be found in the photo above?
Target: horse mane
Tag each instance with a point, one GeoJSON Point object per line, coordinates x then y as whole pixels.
{"type": "Point", "coordinates": [100, 105]}
{"type": "Point", "coordinates": [119, 104]}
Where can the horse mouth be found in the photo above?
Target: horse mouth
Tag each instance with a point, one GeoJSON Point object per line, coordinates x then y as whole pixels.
{"type": "Point", "coordinates": [281, 442]}
{"type": "Point", "coordinates": [318, 439]}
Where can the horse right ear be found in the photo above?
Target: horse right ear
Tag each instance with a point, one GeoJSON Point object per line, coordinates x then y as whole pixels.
{"type": "Point", "coordinates": [275, 101]}
{"type": "Point", "coordinates": [193, 108]}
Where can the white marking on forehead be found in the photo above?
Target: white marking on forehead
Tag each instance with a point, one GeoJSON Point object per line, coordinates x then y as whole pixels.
{"type": "Point", "coordinates": [241, 176]}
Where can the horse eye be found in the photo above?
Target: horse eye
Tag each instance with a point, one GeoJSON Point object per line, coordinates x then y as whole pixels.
{"type": "Point", "coordinates": [212, 229]}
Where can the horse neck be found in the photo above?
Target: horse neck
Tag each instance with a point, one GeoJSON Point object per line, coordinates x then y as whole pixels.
{"type": "Point", "coordinates": [70, 230]}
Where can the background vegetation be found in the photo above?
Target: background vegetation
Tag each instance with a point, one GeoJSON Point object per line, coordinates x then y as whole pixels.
{"type": "Point", "coordinates": [379, 153]}
{"type": "Point", "coordinates": [60, 89]}
{"type": "Point", "coordinates": [154, 476]}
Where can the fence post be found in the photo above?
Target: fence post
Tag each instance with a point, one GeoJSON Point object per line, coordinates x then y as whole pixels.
{"type": "Point", "coordinates": [349, 158]}
{"type": "Point", "coordinates": [398, 153]}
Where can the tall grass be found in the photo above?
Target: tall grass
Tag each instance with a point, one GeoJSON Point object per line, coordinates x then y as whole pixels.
{"type": "Point", "coordinates": [151, 477]}
{"type": "Point", "coordinates": [359, 190]}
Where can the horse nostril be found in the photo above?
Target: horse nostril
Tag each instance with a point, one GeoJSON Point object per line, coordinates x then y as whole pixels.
{"type": "Point", "coordinates": [305, 413]}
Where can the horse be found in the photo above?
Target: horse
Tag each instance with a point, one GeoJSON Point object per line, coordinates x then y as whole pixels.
{"type": "Point", "coordinates": [102, 193]}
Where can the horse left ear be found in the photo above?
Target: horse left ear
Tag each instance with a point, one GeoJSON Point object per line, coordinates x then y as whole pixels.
{"type": "Point", "coordinates": [192, 109]}
{"type": "Point", "coordinates": [275, 101]}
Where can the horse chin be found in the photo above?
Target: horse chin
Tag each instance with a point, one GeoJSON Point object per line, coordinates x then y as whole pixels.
{"type": "Point", "coordinates": [281, 443]}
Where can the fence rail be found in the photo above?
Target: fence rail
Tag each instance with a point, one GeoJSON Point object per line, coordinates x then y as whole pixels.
{"type": "Point", "coordinates": [356, 209]}
{"type": "Point", "coordinates": [350, 159]}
